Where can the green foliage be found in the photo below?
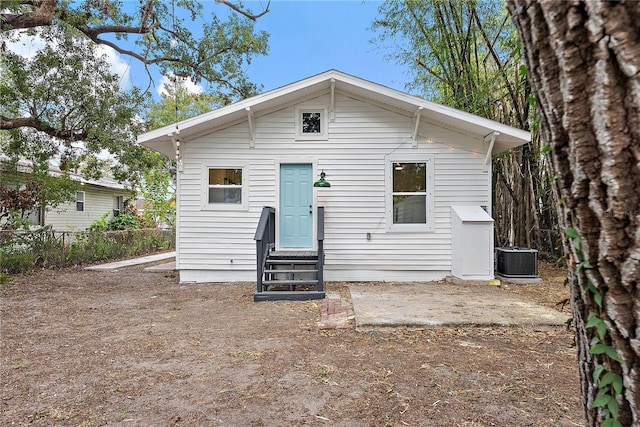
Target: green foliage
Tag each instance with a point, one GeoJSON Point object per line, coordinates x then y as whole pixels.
{"type": "Point", "coordinates": [123, 222]}
{"type": "Point", "coordinates": [158, 184]}
{"type": "Point", "coordinates": [465, 54]}
{"type": "Point", "coordinates": [26, 250]}
{"type": "Point", "coordinates": [101, 223]}
{"type": "Point", "coordinates": [177, 103]}
{"type": "Point", "coordinates": [158, 192]}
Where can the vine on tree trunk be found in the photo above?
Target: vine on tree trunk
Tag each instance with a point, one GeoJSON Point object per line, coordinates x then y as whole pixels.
{"type": "Point", "coordinates": [609, 383]}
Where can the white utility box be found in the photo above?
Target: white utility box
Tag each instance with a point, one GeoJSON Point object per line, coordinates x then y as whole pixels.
{"type": "Point", "coordinates": [471, 243]}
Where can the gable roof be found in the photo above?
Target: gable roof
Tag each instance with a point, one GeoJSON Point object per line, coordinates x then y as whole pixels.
{"type": "Point", "coordinates": [509, 137]}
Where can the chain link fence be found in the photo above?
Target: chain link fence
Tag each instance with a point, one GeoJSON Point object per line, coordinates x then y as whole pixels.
{"type": "Point", "coordinates": [24, 250]}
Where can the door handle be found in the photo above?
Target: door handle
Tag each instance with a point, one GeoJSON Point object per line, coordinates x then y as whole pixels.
{"type": "Point", "coordinates": [310, 209]}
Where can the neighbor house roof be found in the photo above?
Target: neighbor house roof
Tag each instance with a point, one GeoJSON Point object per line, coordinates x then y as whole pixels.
{"type": "Point", "coordinates": [509, 137]}
{"type": "Point", "coordinates": [25, 166]}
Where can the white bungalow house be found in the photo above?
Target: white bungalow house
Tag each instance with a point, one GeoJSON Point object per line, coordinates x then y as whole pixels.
{"type": "Point", "coordinates": [409, 196]}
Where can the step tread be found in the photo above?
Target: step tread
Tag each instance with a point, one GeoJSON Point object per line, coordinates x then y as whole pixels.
{"type": "Point", "coordinates": [294, 253]}
{"type": "Point", "coordinates": [289, 282]}
{"type": "Point", "coordinates": [275, 271]}
{"type": "Point", "coordinates": [287, 295]}
{"type": "Point", "coordinates": [292, 261]}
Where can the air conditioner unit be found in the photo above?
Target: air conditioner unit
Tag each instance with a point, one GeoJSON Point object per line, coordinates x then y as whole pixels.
{"type": "Point", "coordinates": [517, 262]}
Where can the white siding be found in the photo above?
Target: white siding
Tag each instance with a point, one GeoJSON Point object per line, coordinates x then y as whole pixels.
{"type": "Point", "coordinates": [218, 245]}
{"type": "Point", "coordinates": [97, 202]}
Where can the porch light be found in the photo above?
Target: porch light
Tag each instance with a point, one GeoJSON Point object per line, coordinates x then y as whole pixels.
{"type": "Point", "coordinates": [322, 183]}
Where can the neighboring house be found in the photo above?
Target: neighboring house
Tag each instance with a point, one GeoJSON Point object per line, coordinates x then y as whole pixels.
{"type": "Point", "coordinates": [92, 200]}
{"type": "Point", "coordinates": [409, 196]}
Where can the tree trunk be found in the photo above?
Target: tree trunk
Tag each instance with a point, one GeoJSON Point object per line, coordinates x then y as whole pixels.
{"type": "Point", "coordinates": [583, 60]}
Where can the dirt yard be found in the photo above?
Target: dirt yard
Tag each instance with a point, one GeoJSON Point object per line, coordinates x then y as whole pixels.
{"type": "Point", "coordinates": [129, 348]}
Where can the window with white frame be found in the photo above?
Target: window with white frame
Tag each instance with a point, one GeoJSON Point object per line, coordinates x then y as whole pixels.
{"type": "Point", "coordinates": [311, 123]}
{"type": "Point", "coordinates": [225, 186]}
{"type": "Point", "coordinates": [410, 194]}
{"type": "Point", "coordinates": [79, 201]}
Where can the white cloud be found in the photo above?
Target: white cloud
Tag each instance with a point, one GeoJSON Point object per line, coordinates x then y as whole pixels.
{"type": "Point", "coordinates": [187, 83]}
{"type": "Point", "coordinates": [117, 65]}
{"type": "Point", "coordinates": [26, 46]}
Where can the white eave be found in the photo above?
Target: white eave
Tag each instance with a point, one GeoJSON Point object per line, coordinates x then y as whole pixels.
{"type": "Point", "coordinates": [507, 137]}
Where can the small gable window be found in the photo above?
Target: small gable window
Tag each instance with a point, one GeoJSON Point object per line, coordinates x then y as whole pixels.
{"type": "Point", "coordinates": [311, 123]}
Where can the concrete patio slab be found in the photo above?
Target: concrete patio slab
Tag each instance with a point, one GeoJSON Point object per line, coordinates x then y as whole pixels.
{"type": "Point", "coordinates": [444, 304]}
{"type": "Point", "coordinates": [134, 261]}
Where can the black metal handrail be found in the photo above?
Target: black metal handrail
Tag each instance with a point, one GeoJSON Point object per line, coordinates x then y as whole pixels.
{"type": "Point", "coordinates": [265, 238]}
{"type": "Point", "coordinates": [320, 235]}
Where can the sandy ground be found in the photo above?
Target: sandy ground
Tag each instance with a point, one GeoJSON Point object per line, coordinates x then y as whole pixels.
{"type": "Point", "coordinates": [128, 348]}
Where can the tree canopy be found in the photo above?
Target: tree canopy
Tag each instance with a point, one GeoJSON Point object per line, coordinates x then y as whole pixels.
{"type": "Point", "coordinates": [160, 34]}
{"type": "Point", "coordinates": [65, 94]}
{"type": "Point", "coordinates": [63, 103]}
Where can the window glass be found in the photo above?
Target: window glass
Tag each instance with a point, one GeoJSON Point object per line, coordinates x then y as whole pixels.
{"type": "Point", "coordinates": [79, 201]}
{"type": "Point", "coordinates": [409, 209]}
{"type": "Point", "coordinates": [409, 177]}
{"type": "Point", "coordinates": [225, 176]}
{"type": "Point", "coordinates": [225, 186]}
{"type": "Point", "coordinates": [409, 193]}
{"type": "Point", "coordinates": [311, 122]}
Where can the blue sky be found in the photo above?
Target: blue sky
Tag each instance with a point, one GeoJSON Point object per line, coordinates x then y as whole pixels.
{"type": "Point", "coordinates": [338, 32]}
{"type": "Point", "coordinates": [308, 37]}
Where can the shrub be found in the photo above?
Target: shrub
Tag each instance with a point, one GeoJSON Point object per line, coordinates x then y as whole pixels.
{"type": "Point", "coordinates": [123, 222]}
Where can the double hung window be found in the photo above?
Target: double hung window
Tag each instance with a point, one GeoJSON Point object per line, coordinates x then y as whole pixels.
{"type": "Point", "coordinates": [410, 194]}
{"type": "Point", "coordinates": [79, 201]}
{"type": "Point", "coordinates": [225, 187]}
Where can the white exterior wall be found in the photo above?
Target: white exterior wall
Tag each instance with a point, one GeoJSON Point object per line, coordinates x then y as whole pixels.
{"type": "Point", "coordinates": [97, 202]}
{"type": "Point", "coordinates": [218, 245]}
